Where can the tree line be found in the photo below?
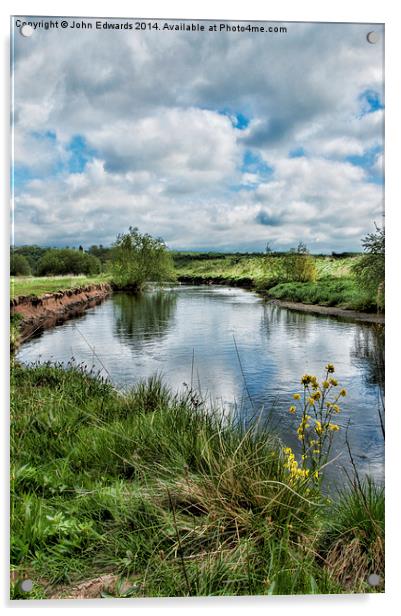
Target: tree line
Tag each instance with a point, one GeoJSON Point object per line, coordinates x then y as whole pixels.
{"type": "Point", "coordinates": [135, 258]}
{"type": "Point", "coordinates": [39, 261]}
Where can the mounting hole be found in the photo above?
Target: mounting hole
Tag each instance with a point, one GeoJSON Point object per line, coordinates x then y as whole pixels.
{"type": "Point", "coordinates": [26, 585]}
{"type": "Point", "coordinates": [374, 579]}
{"type": "Point", "coordinates": [373, 37]}
{"type": "Point", "coordinates": [26, 30]}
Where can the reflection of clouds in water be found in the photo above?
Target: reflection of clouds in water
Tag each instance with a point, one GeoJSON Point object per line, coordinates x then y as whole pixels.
{"type": "Point", "coordinates": [162, 332]}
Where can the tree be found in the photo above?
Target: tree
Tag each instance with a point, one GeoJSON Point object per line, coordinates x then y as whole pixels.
{"type": "Point", "coordinates": [61, 261]}
{"type": "Point", "coordinates": [31, 253]}
{"type": "Point", "coordinates": [369, 270]}
{"type": "Point", "coordinates": [101, 252]}
{"type": "Point", "coordinates": [138, 258]}
{"type": "Point", "coordinates": [301, 249]}
{"type": "Point", "coordinates": [19, 265]}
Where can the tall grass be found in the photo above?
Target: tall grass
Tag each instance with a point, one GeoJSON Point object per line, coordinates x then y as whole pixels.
{"type": "Point", "coordinates": [341, 292]}
{"type": "Point", "coordinates": [331, 280]}
{"type": "Point", "coordinates": [161, 491]}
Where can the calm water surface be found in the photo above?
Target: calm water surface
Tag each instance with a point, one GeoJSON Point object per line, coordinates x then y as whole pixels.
{"type": "Point", "coordinates": [189, 334]}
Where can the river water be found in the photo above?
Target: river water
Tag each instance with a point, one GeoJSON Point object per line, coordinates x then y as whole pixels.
{"type": "Point", "coordinates": [241, 353]}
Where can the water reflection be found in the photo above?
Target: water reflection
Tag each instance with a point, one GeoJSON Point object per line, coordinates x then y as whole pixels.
{"type": "Point", "coordinates": [142, 317]}
{"type": "Point", "coordinates": [238, 350]}
{"type": "Point", "coordinates": [369, 350]}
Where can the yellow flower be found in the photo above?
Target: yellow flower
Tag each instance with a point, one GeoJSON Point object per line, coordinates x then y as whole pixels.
{"type": "Point", "coordinates": [316, 475]}
{"type": "Point", "coordinates": [318, 427]}
{"type": "Point", "coordinates": [296, 396]}
{"type": "Point", "coordinates": [316, 395]}
{"type": "Point", "coordinates": [336, 408]}
{"type": "Point", "coordinates": [343, 392]}
{"type": "Point", "coordinates": [330, 368]}
{"type": "Point", "coordinates": [325, 384]}
{"type": "Point", "coordinates": [333, 382]}
{"type": "Point", "coordinates": [306, 379]}
{"type": "Point", "coordinates": [333, 427]}
{"type": "Point", "coordinates": [311, 401]}
{"type": "Point", "coordinates": [292, 409]}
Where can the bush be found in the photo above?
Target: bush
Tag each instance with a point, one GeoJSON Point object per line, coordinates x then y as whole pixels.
{"type": "Point", "coordinates": [19, 265]}
{"type": "Point", "coordinates": [138, 258]}
{"type": "Point", "coordinates": [299, 267]}
{"type": "Point", "coordinates": [295, 266]}
{"type": "Point", "coordinates": [370, 269]}
{"type": "Point", "coordinates": [67, 261]}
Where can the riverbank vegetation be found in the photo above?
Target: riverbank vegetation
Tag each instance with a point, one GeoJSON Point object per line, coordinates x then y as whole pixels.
{"type": "Point", "coordinates": [138, 258]}
{"type": "Point", "coordinates": [167, 497]}
{"type": "Point", "coordinates": [350, 281]}
{"type": "Point", "coordinates": [33, 285]}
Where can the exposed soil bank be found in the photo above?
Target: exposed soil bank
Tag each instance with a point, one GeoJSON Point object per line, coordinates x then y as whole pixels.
{"type": "Point", "coordinates": [38, 313]}
{"type": "Point", "coordinates": [368, 317]}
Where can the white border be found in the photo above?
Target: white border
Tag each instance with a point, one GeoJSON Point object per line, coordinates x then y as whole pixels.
{"type": "Point", "coordinates": [286, 10]}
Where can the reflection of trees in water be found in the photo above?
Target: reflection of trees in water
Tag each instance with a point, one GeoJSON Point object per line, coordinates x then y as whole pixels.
{"type": "Point", "coordinates": [145, 315]}
{"type": "Point", "coordinates": [274, 315]}
{"type": "Point", "coordinates": [368, 351]}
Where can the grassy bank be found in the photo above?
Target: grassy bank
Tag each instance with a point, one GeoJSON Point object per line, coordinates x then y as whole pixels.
{"type": "Point", "coordinates": [339, 292]}
{"type": "Point", "coordinates": [156, 491]}
{"type": "Point", "coordinates": [256, 268]}
{"type": "Point", "coordinates": [31, 285]}
{"type": "Point", "coordinates": [334, 285]}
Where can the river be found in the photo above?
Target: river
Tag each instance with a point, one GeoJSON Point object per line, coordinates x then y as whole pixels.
{"type": "Point", "coordinates": [239, 352]}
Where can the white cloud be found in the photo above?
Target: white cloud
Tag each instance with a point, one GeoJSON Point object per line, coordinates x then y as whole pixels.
{"type": "Point", "coordinates": [158, 112]}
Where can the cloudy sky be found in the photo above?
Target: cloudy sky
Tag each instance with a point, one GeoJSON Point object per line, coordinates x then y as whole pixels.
{"type": "Point", "coordinates": [209, 140]}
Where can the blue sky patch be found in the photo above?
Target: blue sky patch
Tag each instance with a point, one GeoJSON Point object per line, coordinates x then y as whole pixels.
{"type": "Point", "coordinates": [238, 119]}
{"type": "Point", "coordinates": [20, 175]}
{"type": "Point", "coordinates": [297, 153]}
{"type": "Point", "coordinates": [367, 161]}
{"type": "Point", "coordinates": [254, 163]}
{"type": "Point", "coordinates": [48, 135]}
{"type": "Point", "coordinates": [80, 154]}
{"type": "Point", "coordinates": [371, 102]}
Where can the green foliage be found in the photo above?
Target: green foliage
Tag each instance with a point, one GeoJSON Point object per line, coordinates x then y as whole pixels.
{"type": "Point", "coordinates": [298, 265]}
{"type": "Point", "coordinates": [139, 258]}
{"type": "Point", "coordinates": [353, 544]}
{"type": "Point", "coordinates": [66, 261]}
{"type": "Point", "coordinates": [157, 486]}
{"type": "Point", "coordinates": [329, 291]}
{"type": "Point", "coordinates": [15, 321]}
{"type": "Point", "coordinates": [334, 285]}
{"type": "Point", "coordinates": [19, 265]}
{"type": "Point", "coordinates": [370, 269]}
{"type": "Point", "coordinates": [103, 253]}
{"type": "Point", "coordinates": [31, 253]}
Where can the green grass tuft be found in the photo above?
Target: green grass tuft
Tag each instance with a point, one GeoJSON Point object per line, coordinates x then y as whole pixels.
{"type": "Point", "coordinates": [169, 496]}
